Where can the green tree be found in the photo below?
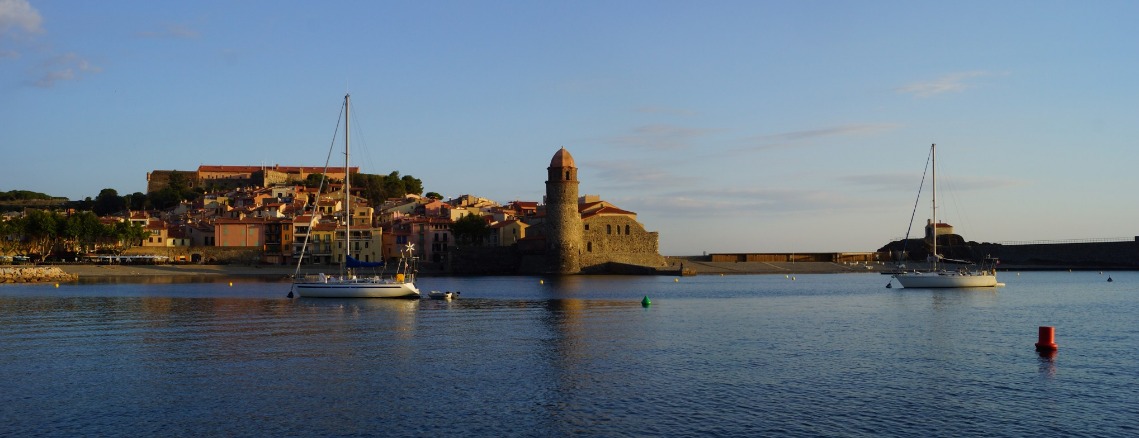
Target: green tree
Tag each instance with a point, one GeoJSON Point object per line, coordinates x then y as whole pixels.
{"type": "Point", "coordinates": [163, 199]}
{"type": "Point", "coordinates": [412, 185]}
{"type": "Point", "coordinates": [433, 195]}
{"type": "Point", "coordinates": [313, 180]}
{"type": "Point", "coordinates": [470, 230]}
{"type": "Point", "coordinates": [393, 186]}
{"type": "Point", "coordinates": [82, 231]}
{"type": "Point", "coordinates": [40, 229]}
{"type": "Point", "coordinates": [109, 202]}
{"type": "Point", "coordinates": [10, 235]}
{"type": "Point", "coordinates": [136, 201]}
{"type": "Point", "coordinates": [127, 235]}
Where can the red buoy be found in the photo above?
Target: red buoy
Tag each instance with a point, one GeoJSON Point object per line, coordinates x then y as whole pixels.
{"type": "Point", "coordinates": [1047, 339]}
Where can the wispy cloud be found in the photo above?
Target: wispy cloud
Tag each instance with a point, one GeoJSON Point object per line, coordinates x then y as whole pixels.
{"type": "Point", "coordinates": [665, 110]}
{"type": "Point", "coordinates": [626, 174]}
{"type": "Point", "coordinates": [950, 83]}
{"type": "Point", "coordinates": [174, 31]}
{"type": "Point", "coordinates": [965, 183]}
{"type": "Point", "coordinates": [658, 137]}
{"type": "Point", "coordinates": [910, 181]}
{"type": "Point", "coordinates": [19, 16]}
{"type": "Point", "coordinates": [746, 201]}
{"type": "Point", "coordinates": [883, 181]}
{"type": "Point", "coordinates": [65, 67]}
{"type": "Point", "coordinates": [804, 137]}
{"type": "Point", "coordinates": [19, 20]}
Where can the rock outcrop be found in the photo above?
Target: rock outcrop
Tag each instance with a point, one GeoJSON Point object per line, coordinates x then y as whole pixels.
{"type": "Point", "coordinates": [34, 274]}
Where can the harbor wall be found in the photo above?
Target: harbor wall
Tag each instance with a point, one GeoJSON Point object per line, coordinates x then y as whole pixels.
{"type": "Point", "coordinates": [1101, 254]}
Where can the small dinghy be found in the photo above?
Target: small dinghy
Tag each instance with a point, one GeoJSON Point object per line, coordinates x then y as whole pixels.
{"type": "Point", "coordinates": [436, 295]}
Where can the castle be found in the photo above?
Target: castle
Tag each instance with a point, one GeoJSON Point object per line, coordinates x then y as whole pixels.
{"type": "Point", "coordinates": [586, 234]}
{"type": "Point", "coordinates": [212, 177]}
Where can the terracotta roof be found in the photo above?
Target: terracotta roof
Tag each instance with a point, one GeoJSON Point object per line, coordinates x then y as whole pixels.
{"type": "Point", "coordinates": [562, 158]}
{"type": "Point", "coordinates": [324, 226]}
{"type": "Point", "coordinates": [501, 224]}
{"type": "Point", "coordinates": [607, 211]}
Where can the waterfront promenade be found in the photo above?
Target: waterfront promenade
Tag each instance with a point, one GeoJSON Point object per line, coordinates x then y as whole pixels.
{"type": "Point", "coordinates": [699, 268]}
{"type": "Point", "coordinates": [689, 265]}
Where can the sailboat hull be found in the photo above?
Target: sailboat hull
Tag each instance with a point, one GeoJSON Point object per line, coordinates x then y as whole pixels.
{"type": "Point", "coordinates": [945, 280]}
{"type": "Point", "coordinates": [357, 289]}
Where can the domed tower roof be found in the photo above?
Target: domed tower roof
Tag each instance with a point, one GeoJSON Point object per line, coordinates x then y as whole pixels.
{"type": "Point", "coordinates": [562, 158]}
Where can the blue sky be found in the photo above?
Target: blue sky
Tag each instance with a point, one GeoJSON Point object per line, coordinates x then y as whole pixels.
{"type": "Point", "coordinates": [727, 126]}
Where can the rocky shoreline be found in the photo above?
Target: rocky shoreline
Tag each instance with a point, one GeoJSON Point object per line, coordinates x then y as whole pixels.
{"type": "Point", "coordinates": [35, 274]}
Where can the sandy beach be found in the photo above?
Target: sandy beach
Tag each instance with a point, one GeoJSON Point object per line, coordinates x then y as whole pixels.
{"type": "Point", "coordinates": [88, 271]}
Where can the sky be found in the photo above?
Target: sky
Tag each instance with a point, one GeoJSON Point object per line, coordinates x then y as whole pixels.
{"type": "Point", "coordinates": [727, 126]}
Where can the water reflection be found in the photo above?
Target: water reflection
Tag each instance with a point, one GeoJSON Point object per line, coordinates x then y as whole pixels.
{"type": "Point", "coordinates": [1047, 363]}
{"type": "Point", "coordinates": [179, 279]}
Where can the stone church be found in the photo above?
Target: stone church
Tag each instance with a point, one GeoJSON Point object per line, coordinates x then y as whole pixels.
{"type": "Point", "coordinates": [586, 234]}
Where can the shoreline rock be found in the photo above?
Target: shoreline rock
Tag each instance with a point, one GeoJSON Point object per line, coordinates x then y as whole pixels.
{"type": "Point", "coordinates": [35, 274]}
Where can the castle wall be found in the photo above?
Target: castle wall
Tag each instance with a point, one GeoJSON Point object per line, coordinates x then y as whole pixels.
{"type": "Point", "coordinates": [160, 179]}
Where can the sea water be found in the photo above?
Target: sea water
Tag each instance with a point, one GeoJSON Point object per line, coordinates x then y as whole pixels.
{"type": "Point", "coordinates": [769, 355]}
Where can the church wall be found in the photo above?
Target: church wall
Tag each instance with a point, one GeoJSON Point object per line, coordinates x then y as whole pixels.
{"type": "Point", "coordinates": [619, 239]}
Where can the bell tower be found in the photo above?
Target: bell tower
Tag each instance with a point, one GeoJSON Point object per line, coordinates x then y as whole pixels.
{"type": "Point", "coordinates": [563, 220]}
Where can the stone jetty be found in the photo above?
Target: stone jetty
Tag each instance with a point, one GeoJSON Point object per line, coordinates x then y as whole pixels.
{"type": "Point", "coordinates": [34, 274]}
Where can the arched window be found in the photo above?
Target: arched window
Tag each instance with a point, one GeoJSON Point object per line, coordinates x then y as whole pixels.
{"type": "Point", "coordinates": [588, 246]}
{"type": "Point", "coordinates": [626, 230]}
{"type": "Point", "coordinates": [608, 229]}
{"type": "Point", "coordinates": [567, 175]}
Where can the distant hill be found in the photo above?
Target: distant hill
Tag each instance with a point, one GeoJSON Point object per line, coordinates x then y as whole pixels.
{"type": "Point", "coordinates": [15, 200]}
{"type": "Point", "coordinates": [25, 195]}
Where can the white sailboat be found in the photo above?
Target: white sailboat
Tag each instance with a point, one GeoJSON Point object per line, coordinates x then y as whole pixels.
{"type": "Point", "coordinates": [936, 277]}
{"type": "Point", "coordinates": [347, 284]}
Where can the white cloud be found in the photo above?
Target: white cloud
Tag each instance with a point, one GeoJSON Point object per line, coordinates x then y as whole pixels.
{"type": "Point", "coordinates": [20, 15]}
{"type": "Point", "coordinates": [950, 83]}
{"type": "Point", "coordinates": [65, 67]}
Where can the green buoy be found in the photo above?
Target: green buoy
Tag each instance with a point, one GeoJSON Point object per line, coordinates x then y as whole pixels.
{"type": "Point", "coordinates": [645, 302]}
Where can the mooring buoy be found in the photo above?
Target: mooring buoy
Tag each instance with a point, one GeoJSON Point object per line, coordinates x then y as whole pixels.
{"type": "Point", "coordinates": [645, 302]}
{"type": "Point", "coordinates": [1046, 339]}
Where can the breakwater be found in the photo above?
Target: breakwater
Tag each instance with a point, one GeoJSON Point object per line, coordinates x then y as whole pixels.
{"type": "Point", "coordinates": [34, 274]}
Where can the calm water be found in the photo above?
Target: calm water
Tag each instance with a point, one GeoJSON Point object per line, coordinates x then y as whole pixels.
{"type": "Point", "coordinates": [820, 355]}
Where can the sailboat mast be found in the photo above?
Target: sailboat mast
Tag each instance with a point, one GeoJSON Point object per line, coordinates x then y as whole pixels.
{"type": "Point", "coordinates": [347, 183]}
{"type": "Point", "coordinates": [933, 226]}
